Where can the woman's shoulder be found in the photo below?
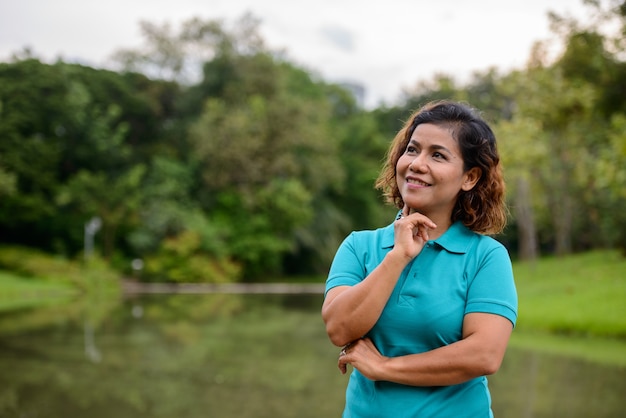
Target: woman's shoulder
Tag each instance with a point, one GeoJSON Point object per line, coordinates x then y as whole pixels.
{"type": "Point", "coordinates": [379, 237]}
{"type": "Point", "coordinates": [491, 242]}
{"type": "Point", "coordinates": [373, 232]}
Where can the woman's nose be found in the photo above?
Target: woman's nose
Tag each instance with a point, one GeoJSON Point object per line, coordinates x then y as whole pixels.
{"type": "Point", "coordinates": [418, 164]}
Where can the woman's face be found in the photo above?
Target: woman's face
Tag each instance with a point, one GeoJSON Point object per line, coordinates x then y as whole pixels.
{"type": "Point", "coordinates": [430, 172]}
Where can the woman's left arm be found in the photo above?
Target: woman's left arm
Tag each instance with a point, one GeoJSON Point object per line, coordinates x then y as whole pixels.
{"type": "Point", "coordinates": [478, 353]}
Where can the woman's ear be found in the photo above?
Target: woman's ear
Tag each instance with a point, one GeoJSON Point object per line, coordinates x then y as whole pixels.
{"type": "Point", "coordinates": [471, 178]}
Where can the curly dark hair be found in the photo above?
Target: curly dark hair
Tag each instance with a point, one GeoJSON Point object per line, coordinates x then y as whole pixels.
{"type": "Point", "coordinates": [482, 209]}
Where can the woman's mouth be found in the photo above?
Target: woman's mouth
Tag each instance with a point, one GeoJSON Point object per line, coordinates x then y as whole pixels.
{"type": "Point", "coordinates": [417, 182]}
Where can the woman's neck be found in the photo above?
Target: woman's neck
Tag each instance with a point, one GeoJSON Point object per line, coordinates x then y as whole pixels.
{"type": "Point", "coordinates": [441, 229]}
{"type": "Point", "coordinates": [442, 221]}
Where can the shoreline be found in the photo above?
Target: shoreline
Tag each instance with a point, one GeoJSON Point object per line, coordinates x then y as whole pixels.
{"type": "Point", "coordinates": [135, 288]}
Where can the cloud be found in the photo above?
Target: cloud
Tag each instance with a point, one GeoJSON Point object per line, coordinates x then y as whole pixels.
{"type": "Point", "coordinates": [391, 45]}
{"type": "Point", "coordinates": [340, 38]}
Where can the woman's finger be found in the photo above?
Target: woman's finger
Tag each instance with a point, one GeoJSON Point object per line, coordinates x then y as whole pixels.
{"type": "Point", "coordinates": [343, 368]}
{"type": "Point", "coordinates": [342, 364]}
{"type": "Point", "coordinates": [419, 219]}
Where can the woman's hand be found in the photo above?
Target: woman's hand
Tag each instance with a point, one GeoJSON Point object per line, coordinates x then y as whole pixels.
{"type": "Point", "coordinates": [362, 355]}
{"type": "Point", "coordinates": [411, 232]}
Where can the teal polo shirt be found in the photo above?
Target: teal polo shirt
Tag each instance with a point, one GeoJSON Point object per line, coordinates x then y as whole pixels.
{"type": "Point", "coordinates": [459, 273]}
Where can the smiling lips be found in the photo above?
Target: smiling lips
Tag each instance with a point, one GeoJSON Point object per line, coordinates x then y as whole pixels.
{"type": "Point", "coordinates": [417, 182]}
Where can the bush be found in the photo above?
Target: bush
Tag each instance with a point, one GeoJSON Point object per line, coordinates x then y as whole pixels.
{"type": "Point", "coordinates": [181, 259]}
{"type": "Point", "coordinates": [29, 262]}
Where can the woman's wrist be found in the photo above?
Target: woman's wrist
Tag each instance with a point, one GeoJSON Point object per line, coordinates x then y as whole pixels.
{"type": "Point", "coordinates": [381, 372]}
{"type": "Point", "coordinates": [398, 257]}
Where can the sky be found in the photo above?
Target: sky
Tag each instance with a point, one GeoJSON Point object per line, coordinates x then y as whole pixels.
{"type": "Point", "coordinates": [387, 46]}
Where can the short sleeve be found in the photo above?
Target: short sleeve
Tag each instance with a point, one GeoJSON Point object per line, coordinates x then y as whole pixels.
{"type": "Point", "coordinates": [347, 268]}
{"type": "Point", "coordinates": [492, 289]}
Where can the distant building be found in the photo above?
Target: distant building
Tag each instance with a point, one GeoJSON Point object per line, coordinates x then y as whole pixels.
{"type": "Point", "coordinates": [357, 90]}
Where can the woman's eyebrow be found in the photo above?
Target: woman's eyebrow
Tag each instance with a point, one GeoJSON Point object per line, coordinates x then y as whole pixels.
{"type": "Point", "coordinates": [440, 148]}
{"type": "Point", "coordinates": [434, 147]}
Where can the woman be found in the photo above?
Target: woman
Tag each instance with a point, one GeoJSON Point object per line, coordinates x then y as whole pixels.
{"type": "Point", "coordinates": [424, 307]}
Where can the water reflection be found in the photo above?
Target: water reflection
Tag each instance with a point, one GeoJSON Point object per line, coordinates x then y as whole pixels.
{"type": "Point", "coordinates": [541, 385]}
{"type": "Point", "coordinates": [235, 355]}
{"type": "Point", "coordinates": [91, 350]}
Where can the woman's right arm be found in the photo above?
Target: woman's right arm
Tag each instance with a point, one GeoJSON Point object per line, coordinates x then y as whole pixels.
{"type": "Point", "coordinates": [349, 312]}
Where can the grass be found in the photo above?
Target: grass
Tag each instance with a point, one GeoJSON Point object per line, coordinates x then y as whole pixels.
{"type": "Point", "coordinates": [21, 292]}
{"type": "Point", "coordinates": [31, 278]}
{"type": "Point", "coordinates": [578, 295]}
{"type": "Point", "coordinates": [573, 306]}
{"type": "Point", "coordinates": [603, 350]}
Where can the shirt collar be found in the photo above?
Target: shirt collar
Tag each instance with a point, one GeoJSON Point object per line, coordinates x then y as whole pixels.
{"type": "Point", "coordinates": [457, 239]}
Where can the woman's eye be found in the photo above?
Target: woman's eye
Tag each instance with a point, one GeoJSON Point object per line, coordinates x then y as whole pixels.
{"type": "Point", "coordinates": [439, 155]}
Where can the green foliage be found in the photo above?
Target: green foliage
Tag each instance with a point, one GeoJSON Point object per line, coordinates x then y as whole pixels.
{"type": "Point", "coordinates": [260, 228]}
{"type": "Point", "coordinates": [114, 199]}
{"type": "Point", "coordinates": [181, 259]}
{"type": "Point", "coordinates": [170, 54]}
{"type": "Point", "coordinates": [8, 182]}
{"type": "Point", "coordinates": [61, 121]}
{"type": "Point", "coordinates": [611, 179]}
{"type": "Point", "coordinates": [56, 271]}
{"type": "Point", "coordinates": [235, 164]}
{"type": "Point", "coordinates": [30, 103]}
{"type": "Point", "coordinates": [35, 263]}
{"type": "Point", "coordinates": [265, 154]}
{"type": "Point", "coordinates": [166, 207]}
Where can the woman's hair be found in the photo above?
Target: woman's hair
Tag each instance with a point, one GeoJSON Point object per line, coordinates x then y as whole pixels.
{"type": "Point", "coordinates": [482, 209]}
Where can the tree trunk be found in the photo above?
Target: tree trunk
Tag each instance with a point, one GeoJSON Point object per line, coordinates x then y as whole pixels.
{"type": "Point", "coordinates": [562, 213]}
{"type": "Point", "coordinates": [528, 249]}
{"type": "Point", "coordinates": [108, 246]}
{"type": "Point", "coordinates": [563, 225]}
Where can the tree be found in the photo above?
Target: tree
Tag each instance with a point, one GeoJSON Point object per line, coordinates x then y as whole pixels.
{"type": "Point", "coordinates": [61, 120]}
{"type": "Point", "coordinates": [179, 56]}
{"type": "Point", "coordinates": [523, 150]}
{"type": "Point", "coordinates": [593, 57]}
{"type": "Point", "coordinates": [265, 142]}
{"type": "Point", "coordinates": [611, 178]}
{"type": "Point", "coordinates": [115, 200]}
{"type": "Point", "coordinates": [7, 183]}
{"type": "Point", "coordinates": [31, 103]}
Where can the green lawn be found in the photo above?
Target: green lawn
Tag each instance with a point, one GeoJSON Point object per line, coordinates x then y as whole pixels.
{"type": "Point", "coordinates": [573, 306]}
{"type": "Point", "coordinates": [18, 292]}
{"type": "Point", "coordinates": [578, 295]}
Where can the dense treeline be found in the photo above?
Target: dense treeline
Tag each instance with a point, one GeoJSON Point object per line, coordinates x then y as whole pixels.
{"type": "Point", "coordinates": [254, 167]}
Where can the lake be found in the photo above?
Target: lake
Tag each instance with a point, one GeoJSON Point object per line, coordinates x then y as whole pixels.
{"type": "Point", "coordinates": [235, 355]}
